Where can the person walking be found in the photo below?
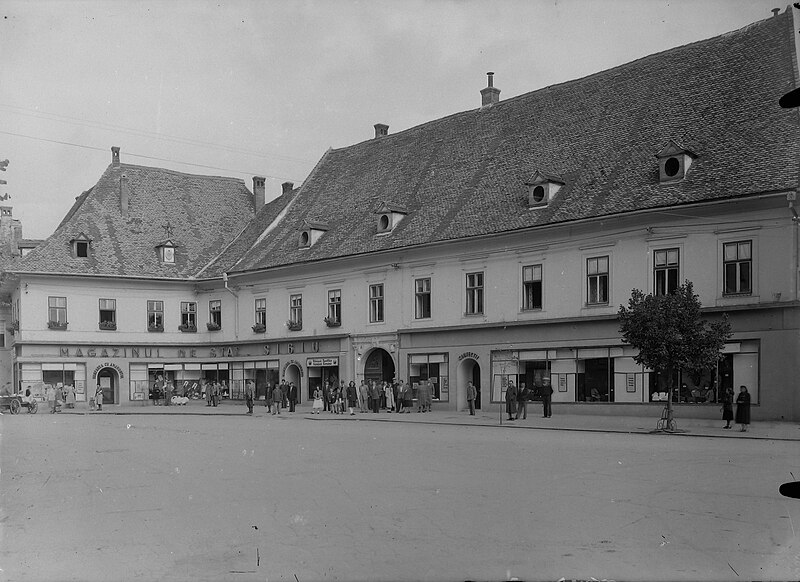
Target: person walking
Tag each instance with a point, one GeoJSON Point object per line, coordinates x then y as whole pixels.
{"type": "Point", "coordinates": [727, 407]}
{"type": "Point", "coordinates": [249, 394]}
{"type": "Point", "coordinates": [743, 408]}
{"type": "Point", "coordinates": [292, 396]}
{"type": "Point", "coordinates": [511, 400]}
{"type": "Point", "coordinates": [277, 396]}
{"type": "Point", "coordinates": [547, 400]}
{"type": "Point", "coordinates": [98, 397]}
{"type": "Point", "coordinates": [522, 401]}
{"type": "Point", "coordinates": [472, 393]}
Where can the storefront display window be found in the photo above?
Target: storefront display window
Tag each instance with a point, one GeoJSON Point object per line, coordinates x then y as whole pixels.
{"type": "Point", "coordinates": [432, 368]}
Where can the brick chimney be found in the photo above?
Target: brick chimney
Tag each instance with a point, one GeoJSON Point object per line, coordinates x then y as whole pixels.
{"type": "Point", "coordinates": [124, 194]}
{"type": "Point", "coordinates": [491, 94]}
{"type": "Point", "coordinates": [381, 129]}
{"type": "Point", "coordinates": [259, 194]}
{"type": "Point", "coordinates": [287, 187]}
{"type": "Point", "coordinates": [115, 156]}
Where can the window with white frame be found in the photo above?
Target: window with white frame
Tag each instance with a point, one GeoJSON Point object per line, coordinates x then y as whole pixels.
{"type": "Point", "coordinates": [296, 309]}
{"type": "Point", "coordinates": [155, 315]}
{"type": "Point", "coordinates": [738, 267]}
{"type": "Point", "coordinates": [422, 298]}
{"type": "Point", "coordinates": [189, 314]}
{"type": "Point", "coordinates": [57, 310]}
{"type": "Point", "coordinates": [666, 267]}
{"type": "Point", "coordinates": [108, 311]}
{"type": "Point", "coordinates": [335, 306]}
{"type": "Point", "coordinates": [597, 280]}
{"type": "Point", "coordinates": [531, 287]}
{"type": "Point", "coordinates": [474, 304]}
{"type": "Point", "coordinates": [215, 312]}
{"type": "Point", "coordinates": [376, 303]}
{"type": "Point", "coordinates": [261, 312]}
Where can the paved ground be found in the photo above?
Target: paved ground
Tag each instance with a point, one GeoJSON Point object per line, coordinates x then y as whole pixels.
{"type": "Point", "coordinates": [211, 494]}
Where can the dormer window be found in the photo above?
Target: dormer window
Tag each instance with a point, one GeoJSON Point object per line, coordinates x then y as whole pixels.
{"type": "Point", "coordinates": [542, 188]}
{"type": "Point", "coordinates": [389, 216]}
{"type": "Point", "coordinates": [166, 252]}
{"type": "Point", "coordinates": [310, 233]}
{"type": "Point", "coordinates": [674, 162]}
{"type": "Point", "coordinates": [80, 246]}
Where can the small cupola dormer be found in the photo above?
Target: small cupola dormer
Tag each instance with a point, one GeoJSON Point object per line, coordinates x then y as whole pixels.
{"type": "Point", "coordinates": [674, 162]}
{"type": "Point", "coordinates": [389, 216]}
{"type": "Point", "coordinates": [81, 246]}
{"type": "Point", "coordinates": [542, 188]}
{"type": "Point", "coordinates": [311, 232]}
{"type": "Point", "coordinates": [166, 251]}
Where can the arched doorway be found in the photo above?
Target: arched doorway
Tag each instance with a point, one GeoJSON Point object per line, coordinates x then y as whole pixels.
{"type": "Point", "coordinates": [468, 371]}
{"type": "Point", "coordinates": [108, 380]}
{"type": "Point", "coordinates": [293, 374]}
{"type": "Point", "coordinates": [379, 366]}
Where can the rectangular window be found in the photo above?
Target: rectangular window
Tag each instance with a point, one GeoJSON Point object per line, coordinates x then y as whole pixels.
{"type": "Point", "coordinates": [422, 292]}
{"type": "Point", "coordinates": [189, 314]}
{"type": "Point", "coordinates": [666, 265]}
{"type": "Point", "coordinates": [261, 312]}
{"type": "Point", "coordinates": [57, 310]}
{"type": "Point", "coordinates": [335, 306]}
{"type": "Point", "coordinates": [738, 267]}
{"type": "Point", "coordinates": [155, 315]}
{"type": "Point", "coordinates": [215, 313]}
{"type": "Point", "coordinates": [597, 280]}
{"type": "Point", "coordinates": [474, 293]}
{"type": "Point", "coordinates": [108, 311]}
{"type": "Point", "coordinates": [429, 373]}
{"type": "Point", "coordinates": [532, 287]}
{"type": "Point", "coordinates": [376, 303]}
{"type": "Point", "coordinates": [296, 309]}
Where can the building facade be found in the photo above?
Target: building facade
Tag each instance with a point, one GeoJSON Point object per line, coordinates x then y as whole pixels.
{"type": "Point", "coordinates": [494, 246]}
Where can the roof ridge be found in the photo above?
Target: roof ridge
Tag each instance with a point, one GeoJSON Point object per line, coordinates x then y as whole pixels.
{"type": "Point", "coordinates": [179, 173]}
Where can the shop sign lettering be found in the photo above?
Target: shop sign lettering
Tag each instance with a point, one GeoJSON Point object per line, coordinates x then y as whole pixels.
{"type": "Point", "coordinates": [466, 355]}
{"type": "Point", "coordinates": [108, 365]}
{"type": "Point", "coordinates": [320, 362]}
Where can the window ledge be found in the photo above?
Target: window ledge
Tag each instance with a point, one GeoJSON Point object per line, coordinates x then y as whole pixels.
{"type": "Point", "coordinates": [187, 328]}
{"type": "Point", "coordinates": [213, 327]}
{"type": "Point", "coordinates": [259, 328]}
{"type": "Point", "coordinates": [57, 325]}
{"type": "Point", "coordinates": [155, 328]}
{"type": "Point", "coordinates": [107, 326]}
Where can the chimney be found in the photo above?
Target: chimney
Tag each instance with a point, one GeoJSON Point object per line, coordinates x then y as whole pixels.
{"type": "Point", "coordinates": [491, 94]}
{"type": "Point", "coordinates": [287, 187]}
{"type": "Point", "coordinates": [259, 194]}
{"type": "Point", "coordinates": [381, 129]}
{"type": "Point", "coordinates": [124, 193]}
{"type": "Point", "coordinates": [776, 11]}
{"type": "Point", "coordinates": [115, 156]}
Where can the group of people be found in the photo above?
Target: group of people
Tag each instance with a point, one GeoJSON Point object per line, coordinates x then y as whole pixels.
{"type": "Point", "coordinates": [742, 408]}
{"type": "Point", "coordinates": [57, 396]}
{"type": "Point", "coordinates": [517, 400]}
{"type": "Point", "coordinates": [281, 396]}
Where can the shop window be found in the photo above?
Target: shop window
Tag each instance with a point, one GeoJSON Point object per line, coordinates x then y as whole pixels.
{"type": "Point", "coordinates": [666, 266]}
{"type": "Point", "coordinates": [214, 315]}
{"type": "Point", "coordinates": [188, 316]}
{"type": "Point", "coordinates": [57, 312]}
{"type": "Point", "coordinates": [155, 315]}
{"type": "Point", "coordinates": [532, 287]}
{"type": "Point", "coordinates": [433, 369]}
{"type": "Point", "coordinates": [334, 318]}
{"type": "Point", "coordinates": [474, 303]}
{"type": "Point", "coordinates": [376, 303]}
{"type": "Point", "coordinates": [738, 267]}
{"type": "Point", "coordinates": [594, 380]}
{"type": "Point", "coordinates": [597, 280]}
{"type": "Point", "coordinates": [535, 375]}
{"type": "Point", "coordinates": [108, 314]}
{"type": "Point", "coordinates": [422, 293]}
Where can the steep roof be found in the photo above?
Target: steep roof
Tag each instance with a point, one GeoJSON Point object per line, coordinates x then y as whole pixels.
{"type": "Point", "coordinates": [464, 175]}
{"type": "Point", "coordinates": [200, 214]}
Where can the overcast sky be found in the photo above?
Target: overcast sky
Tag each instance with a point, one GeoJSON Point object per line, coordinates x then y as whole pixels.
{"type": "Point", "coordinates": [248, 88]}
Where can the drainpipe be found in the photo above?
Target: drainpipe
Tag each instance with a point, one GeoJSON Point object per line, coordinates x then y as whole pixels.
{"type": "Point", "coordinates": [235, 305]}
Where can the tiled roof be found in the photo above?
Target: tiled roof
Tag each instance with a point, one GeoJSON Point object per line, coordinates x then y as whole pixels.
{"type": "Point", "coordinates": [200, 214]}
{"type": "Point", "coordinates": [464, 175]}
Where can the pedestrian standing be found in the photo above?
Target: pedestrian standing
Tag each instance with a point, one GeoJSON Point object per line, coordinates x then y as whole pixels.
{"type": "Point", "coordinates": [472, 393]}
{"type": "Point", "coordinates": [389, 392]}
{"type": "Point", "coordinates": [408, 397]}
{"type": "Point", "coordinates": [98, 397]}
{"type": "Point", "coordinates": [396, 394]}
{"type": "Point", "coordinates": [70, 396]}
{"type": "Point", "coordinates": [375, 396]}
{"type": "Point", "coordinates": [317, 406]}
{"type": "Point", "coordinates": [292, 396]}
{"type": "Point", "coordinates": [249, 393]}
{"type": "Point", "coordinates": [268, 397]}
{"type": "Point", "coordinates": [277, 396]}
{"type": "Point", "coordinates": [511, 400]}
{"type": "Point", "coordinates": [522, 401]}
{"type": "Point", "coordinates": [743, 408]}
{"type": "Point", "coordinates": [59, 396]}
{"type": "Point", "coordinates": [363, 396]}
{"type": "Point", "coordinates": [50, 392]}
{"type": "Point", "coordinates": [284, 394]}
{"type": "Point", "coordinates": [352, 397]}
{"type": "Point", "coordinates": [727, 407]}
{"type": "Point", "coordinates": [547, 400]}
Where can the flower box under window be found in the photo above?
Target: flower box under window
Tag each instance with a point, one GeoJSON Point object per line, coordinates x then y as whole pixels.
{"type": "Point", "coordinates": [187, 328]}
{"type": "Point", "coordinates": [294, 325]}
{"type": "Point", "coordinates": [330, 322]}
{"type": "Point", "coordinates": [13, 327]}
{"type": "Point", "coordinates": [155, 328]}
{"type": "Point", "coordinates": [108, 325]}
{"type": "Point", "coordinates": [213, 326]}
{"type": "Point", "coordinates": [259, 328]}
{"type": "Point", "coordinates": [57, 324]}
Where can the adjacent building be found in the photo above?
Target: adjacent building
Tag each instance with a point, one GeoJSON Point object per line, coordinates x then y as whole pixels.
{"type": "Point", "coordinates": [492, 245]}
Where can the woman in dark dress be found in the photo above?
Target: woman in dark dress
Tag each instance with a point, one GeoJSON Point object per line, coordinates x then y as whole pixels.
{"type": "Point", "coordinates": [727, 407]}
{"type": "Point", "coordinates": [743, 408]}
